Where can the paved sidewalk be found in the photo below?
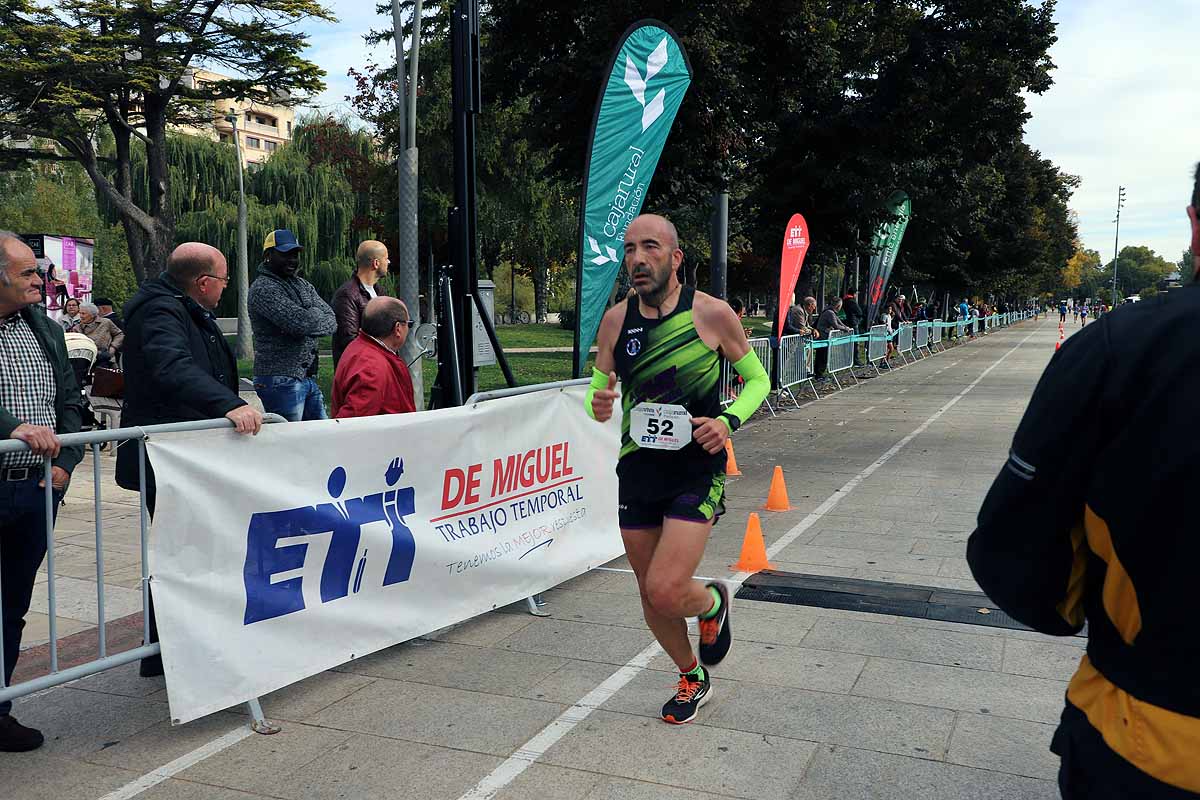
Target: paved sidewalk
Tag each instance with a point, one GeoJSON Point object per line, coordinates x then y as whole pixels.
{"type": "Point", "coordinates": [811, 703]}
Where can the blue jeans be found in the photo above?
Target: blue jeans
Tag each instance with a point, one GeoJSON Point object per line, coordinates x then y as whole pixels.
{"type": "Point", "coordinates": [22, 548]}
{"type": "Point", "coordinates": [294, 399]}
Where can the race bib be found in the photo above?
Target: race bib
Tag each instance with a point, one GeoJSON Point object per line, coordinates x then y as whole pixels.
{"type": "Point", "coordinates": [658, 426]}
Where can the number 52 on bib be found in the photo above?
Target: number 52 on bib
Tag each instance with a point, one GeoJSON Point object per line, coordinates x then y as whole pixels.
{"type": "Point", "coordinates": [660, 426]}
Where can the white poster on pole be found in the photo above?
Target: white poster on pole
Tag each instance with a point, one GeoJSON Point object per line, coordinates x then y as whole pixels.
{"type": "Point", "coordinates": [277, 557]}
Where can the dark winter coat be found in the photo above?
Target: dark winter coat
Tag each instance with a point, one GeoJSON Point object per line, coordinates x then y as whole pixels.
{"type": "Point", "coordinates": [178, 366]}
{"type": "Point", "coordinates": [348, 303]}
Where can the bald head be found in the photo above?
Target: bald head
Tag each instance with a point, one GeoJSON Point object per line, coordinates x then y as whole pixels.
{"type": "Point", "coordinates": [190, 260]}
{"type": "Point", "coordinates": [659, 227]}
{"type": "Point", "coordinates": [371, 261]}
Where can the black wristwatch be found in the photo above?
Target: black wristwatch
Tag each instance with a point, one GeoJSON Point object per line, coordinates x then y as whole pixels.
{"type": "Point", "coordinates": [733, 422]}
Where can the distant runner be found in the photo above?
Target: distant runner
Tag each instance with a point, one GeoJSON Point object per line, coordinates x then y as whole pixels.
{"type": "Point", "coordinates": [1083, 316]}
{"type": "Point", "coordinates": [666, 345]}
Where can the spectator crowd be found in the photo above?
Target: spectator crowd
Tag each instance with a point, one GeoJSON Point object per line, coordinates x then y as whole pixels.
{"type": "Point", "coordinates": [177, 366]}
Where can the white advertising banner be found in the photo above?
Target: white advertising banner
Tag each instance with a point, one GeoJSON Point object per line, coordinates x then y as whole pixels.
{"type": "Point", "coordinates": [279, 556]}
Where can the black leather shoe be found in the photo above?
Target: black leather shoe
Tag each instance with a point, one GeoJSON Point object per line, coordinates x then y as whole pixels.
{"type": "Point", "coordinates": [151, 667]}
{"type": "Point", "coordinates": [16, 738]}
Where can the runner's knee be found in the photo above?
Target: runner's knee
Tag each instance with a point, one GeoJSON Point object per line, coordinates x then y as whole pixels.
{"type": "Point", "coordinates": [666, 594]}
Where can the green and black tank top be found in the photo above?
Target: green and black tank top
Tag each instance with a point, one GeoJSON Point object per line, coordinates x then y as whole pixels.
{"type": "Point", "coordinates": [666, 361]}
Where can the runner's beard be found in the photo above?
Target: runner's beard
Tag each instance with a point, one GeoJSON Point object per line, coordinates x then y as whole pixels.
{"type": "Point", "coordinates": [656, 292]}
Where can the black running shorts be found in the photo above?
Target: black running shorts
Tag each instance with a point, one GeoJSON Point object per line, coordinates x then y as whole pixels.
{"type": "Point", "coordinates": [701, 500]}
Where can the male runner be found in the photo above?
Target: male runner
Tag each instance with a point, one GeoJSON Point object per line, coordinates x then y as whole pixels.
{"type": "Point", "coordinates": [666, 345]}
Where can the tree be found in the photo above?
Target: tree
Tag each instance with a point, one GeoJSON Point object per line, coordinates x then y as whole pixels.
{"type": "Point", "coordinates": [526, 215]}
{"type": "Point", "coordinates": [1138, 268]}
{"type": "Point", "coordinates": [824, 111]}
{"type": "Point", "coordinates": [57, 198]}
{"type": "Point", "coordinates": [1081, 271]}
{"type": "Point", "coordinates": [69, 72]}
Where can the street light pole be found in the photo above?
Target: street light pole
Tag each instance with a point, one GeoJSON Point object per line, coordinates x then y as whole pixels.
{"type": "Point", "coordinates": [408, 283]}
{"type": "Point", "coordinates": [1116, 241]}
{"type": "Point", "coordinates": [245, 337]}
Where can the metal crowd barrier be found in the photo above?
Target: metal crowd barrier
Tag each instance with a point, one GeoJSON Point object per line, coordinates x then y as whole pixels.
{"type": "Point", "coordinates": [762, 348]}
{"type": "Point", "coordinates": [921, 341]}
{"type": "Point", "coordinates": [935, 336]}
{"type": "Point", "coordinates": [877, 345]}
{"type": "Point", "coordinates": [794, 366]}
{"type": "Point", "coordinates": [105, 660]}
{"type": "Point", "coordinates": [841, 355]}
{"type": "Point", "coordinates": [731, 382]}
{"type": "Point", "coordinates": [904, 341]}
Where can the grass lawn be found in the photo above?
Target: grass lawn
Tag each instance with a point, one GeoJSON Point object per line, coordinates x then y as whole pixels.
{"type": "Point", "coordinates": [528, 368]}
{"type": "Point", "coordinates": [534, 336]}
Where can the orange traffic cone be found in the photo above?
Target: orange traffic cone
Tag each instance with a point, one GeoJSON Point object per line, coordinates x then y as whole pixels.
{"type": "Point", "coordinates": [731, 467]}
{"type": "Point", "coordinates": [754, 549]}
{"type": "Point", "coordinates": [1057, 345]}
{"type": "Point", "coordinates": [777, 499]}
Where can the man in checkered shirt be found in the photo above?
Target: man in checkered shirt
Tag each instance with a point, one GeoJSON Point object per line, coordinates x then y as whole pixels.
{"type": "Point", "coordinates": [39, 399]}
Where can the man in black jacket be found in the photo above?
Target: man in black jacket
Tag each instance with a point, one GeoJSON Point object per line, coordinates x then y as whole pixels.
{"type": "Point", "coordinates": [854, 312]}
{"type": "Point", "coordinates": [371, 264]}
{"type": "Point", "coordinates": [178, 366]}
{"type": "Point", "coordinates": [1089, 520]}
{"type": "Point", "coordinates": [39, 399]}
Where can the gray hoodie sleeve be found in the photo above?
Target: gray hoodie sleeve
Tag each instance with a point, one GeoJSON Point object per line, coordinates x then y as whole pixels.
{"type": "Point", "coordinates": [274, 304]}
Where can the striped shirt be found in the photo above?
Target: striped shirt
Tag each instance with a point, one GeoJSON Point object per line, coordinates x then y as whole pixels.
{"type": "Point", "coordinates": [27, 387]}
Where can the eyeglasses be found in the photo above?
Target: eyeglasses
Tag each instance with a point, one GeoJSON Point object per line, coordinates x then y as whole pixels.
{"type": "Point", "coordinates": [407, 322]}
{"type": "Point", "coordinates": [222, 278]}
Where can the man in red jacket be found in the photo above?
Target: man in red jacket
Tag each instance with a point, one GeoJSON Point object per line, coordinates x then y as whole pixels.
{"type": "Point", "coordinates": [370, 378]}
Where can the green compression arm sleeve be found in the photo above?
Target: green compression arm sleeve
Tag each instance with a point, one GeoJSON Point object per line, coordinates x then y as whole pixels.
{"type": "Point", "coordinates": [757, 387]}
{"type": "Point", "coordinates": [599, 381]}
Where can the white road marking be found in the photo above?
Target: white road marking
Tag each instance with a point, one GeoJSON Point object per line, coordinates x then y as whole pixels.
{"type": "Point", "coordinates": [536, 747]}
{"type": "Point", "coordinates": [157, 776]}
{"type": "Point", "coordinates": [867, 410]}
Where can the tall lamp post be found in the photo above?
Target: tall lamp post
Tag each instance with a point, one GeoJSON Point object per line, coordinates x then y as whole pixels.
{"type": "Point", "coordinates": [408, 284]}
{"type": "Point", "coordinates": [1116, 241]}
{"type": "Point", "coordinates": [245, 342]}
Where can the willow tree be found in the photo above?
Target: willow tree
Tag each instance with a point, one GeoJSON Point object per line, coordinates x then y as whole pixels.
{"type": "Point", "coordinates": [288, 190]}
{"type": "Point", "coordinates": [68, 71]}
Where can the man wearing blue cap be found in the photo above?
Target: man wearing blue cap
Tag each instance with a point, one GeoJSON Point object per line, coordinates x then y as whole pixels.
{"type": "Point", "coordinates": [287, 316]}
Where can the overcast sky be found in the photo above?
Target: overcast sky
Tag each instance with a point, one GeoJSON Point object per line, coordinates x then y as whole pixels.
{"type": "Point", "coordinates": [1123, 110]}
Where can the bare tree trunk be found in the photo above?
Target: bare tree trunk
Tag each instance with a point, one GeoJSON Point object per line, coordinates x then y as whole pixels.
{"type": "Point", "coordinates": [541, 277]}
{"type": "Point", "coordinates": [162, 235]}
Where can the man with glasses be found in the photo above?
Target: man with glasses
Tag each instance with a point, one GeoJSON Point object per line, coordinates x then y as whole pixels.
{"type": "Point", "coordinates": [288, 317]}
{"type": "Point", "coordinates": [178, 366]}
{"type": "Point", "coordinates": [39, 399]}
{"type": "Point", "coordinates": [372, 378]}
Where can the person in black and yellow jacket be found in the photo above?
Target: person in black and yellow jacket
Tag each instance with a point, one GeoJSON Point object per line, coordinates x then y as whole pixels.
{"type": "Point", "coordinates": [1090, 520]}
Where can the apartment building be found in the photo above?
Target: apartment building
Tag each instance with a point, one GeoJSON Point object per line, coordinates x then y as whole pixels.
{"type": "Point", "coordinates": [263, 128]}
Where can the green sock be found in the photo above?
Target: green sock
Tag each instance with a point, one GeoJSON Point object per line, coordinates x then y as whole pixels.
{"type": "Point", "coordinates": [716, 596]}
{"type": "Point", "coordinates": [697, 672]}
